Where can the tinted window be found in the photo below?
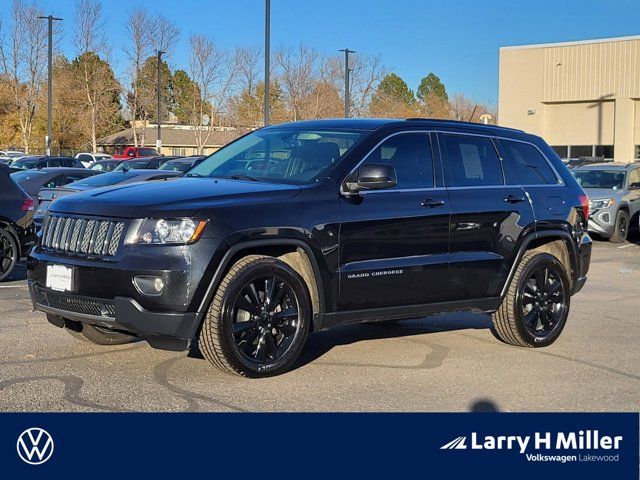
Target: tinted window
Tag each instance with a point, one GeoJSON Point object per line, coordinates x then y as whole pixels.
{"type": "Point", "coordinates": [471, 160]}
{"type": "Point", "coordinates": [147, 152]}
{"type": "Point", "coordinates": [154, 164]}
{"type": "Point", "coordinates": [25, 163]}
{"type": "Point", "coordinates": [54, 163]}
{"type": "Point", "coordinates": [83, 157]}
{"type": "Point", "coordinates": [613, 179]}
{"type": "Point", "coordinates": [410, 156]}
{"type": "Point", "coordinates": [55, 182]}
{"type": "Point", "coordinates": [525, 165]}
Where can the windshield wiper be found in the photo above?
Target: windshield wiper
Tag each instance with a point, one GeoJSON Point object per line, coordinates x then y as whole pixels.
{"type": "Point", "coordinates": [193, 175]}
{"type": "Point", "coordinates": [242, 177]}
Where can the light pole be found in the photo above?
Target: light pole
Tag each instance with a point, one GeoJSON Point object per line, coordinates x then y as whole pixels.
{"type": "Point", "coordinates": [347, 72]}
{"type": "Point", "coordinates": [159, 139]}
{"type": "Point", "coordinates": [47, 140]}
{"type": "Point", "coordinates": [267, 58]}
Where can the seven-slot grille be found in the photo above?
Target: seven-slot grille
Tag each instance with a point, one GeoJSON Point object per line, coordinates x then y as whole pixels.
{"type": "Point", "coordinates": [82, 236]}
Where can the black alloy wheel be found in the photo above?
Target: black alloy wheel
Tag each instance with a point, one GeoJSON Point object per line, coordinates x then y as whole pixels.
{"type": "Point", "coordinates": [622, 227]}
{"type": "Point", "coordinates": [543, 301]}
{"type": "Point", "coordinates": [8, 254]}
{"type": "Point", "coordinates": [265, 318]}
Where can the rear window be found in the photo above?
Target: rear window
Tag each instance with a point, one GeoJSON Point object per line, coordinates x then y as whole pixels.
{"type": "Point", "coordinates": [20, 177]}
{"type": "Point", "coordinates": [147, 152]}
{"type": "Point", "coordinates": [525, 165]}
{"type": "Point", "coordinates": [471, 160]}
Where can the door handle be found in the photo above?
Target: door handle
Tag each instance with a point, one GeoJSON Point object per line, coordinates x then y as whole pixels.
{"type": "Point", "coordinates": [514, 199]}
{"type": "Point", "coordinates": [430, 202]}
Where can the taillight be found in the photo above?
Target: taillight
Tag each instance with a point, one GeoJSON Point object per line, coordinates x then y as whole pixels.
{"type": "Point", "coordinates": [27, 205]}
{"type": "Point", "coordinates": [584, 203]}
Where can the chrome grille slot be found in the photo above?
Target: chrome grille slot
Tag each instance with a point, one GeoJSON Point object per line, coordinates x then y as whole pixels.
{"type": "Point", "coordinates": [100, 238]}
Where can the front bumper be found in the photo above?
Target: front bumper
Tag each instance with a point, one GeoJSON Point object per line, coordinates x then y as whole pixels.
{"type": "Point", "coordinates": [121, 313]}
{"type": "Point", "coordinates": [602, 222]}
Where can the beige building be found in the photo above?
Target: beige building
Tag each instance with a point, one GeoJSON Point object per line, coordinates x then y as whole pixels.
{"type": "Point", "coordinates": [581, 97]}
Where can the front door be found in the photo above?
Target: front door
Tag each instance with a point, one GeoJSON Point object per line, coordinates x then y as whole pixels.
{"type": "Point", "coordinates": [393, 242]}
{"type": "Point", "coordinates": [487, 216]}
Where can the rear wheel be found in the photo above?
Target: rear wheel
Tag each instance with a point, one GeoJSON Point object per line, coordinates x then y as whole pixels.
{"type": "Point", "coordinates": [621, 229]}
{"type": "Point", "coordinates": [535, 308]}
{"type": "Point", "coordinates": [259, 319]}
{"type": "Point", "coordinates": [9, 254]}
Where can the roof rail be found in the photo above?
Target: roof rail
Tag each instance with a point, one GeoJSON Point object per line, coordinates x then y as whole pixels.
{"type": "Point", "coordinates": [461, 122]}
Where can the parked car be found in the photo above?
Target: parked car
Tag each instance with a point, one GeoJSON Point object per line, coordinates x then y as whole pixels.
{"type": "Point", "coordinates": [300, 227]}
{"type": "Point", "coordinates": [137, 152]}
{"type": "Point", "coordinates": [32, 181]}
{"type": "Point", "coordinates": [7, 156]}
{"type": "Point", "coordinates": [104, 165]}
{"type": "Point", "coordinates": [47, 195]}
{"type": "Point", "coordinates": [17, 230]}
{"type": "Point", "coordinates": [42, 161]}
{"type": "Point", "coordinates": [87, 158]}
{"type": "Point", "coordinates": [614, 198]}
{"type": "Point", "coordinates": [182, 164]}
{"type": "Point", "coordinates": [148, 163]}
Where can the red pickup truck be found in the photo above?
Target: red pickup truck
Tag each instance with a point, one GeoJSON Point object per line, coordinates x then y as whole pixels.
{"type": "Point", "coordinates": [137, 152]}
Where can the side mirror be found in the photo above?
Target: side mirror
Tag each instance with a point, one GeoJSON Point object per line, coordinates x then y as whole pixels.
{"type": "Point", "coordinates": [373, 177]}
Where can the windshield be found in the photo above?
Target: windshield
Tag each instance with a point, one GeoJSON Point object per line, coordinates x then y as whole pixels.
{"type": "Point", "coordinates": [613, 179]}
{"type": "Point", "coordinates": [25, 163]}
{"type": "Point", "coordinates": [279, 155]}
{"type": "Point", "coordinates": [26, 175]}
{"type": "Point", "coordinates": [104, 179]}
{"type": "Point", "coordinates": [176, 166]}
{"type": "Point", "coordinates": [131, 165]}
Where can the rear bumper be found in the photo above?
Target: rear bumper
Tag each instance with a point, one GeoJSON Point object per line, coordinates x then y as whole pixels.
{"type": "Point", "coordinates": [121, 313]}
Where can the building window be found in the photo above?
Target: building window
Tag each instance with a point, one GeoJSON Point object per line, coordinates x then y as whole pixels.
{"type": "Point", "coordinates": [562, 151]}
{"type": "Point", "coordinates": [577, 151]}
{"type": "Point", "coordinates": [637, 155]}
{"type": "Point", "coordinates": [179, 151]}
{"type": "Point", "coordinates": [604, 151]}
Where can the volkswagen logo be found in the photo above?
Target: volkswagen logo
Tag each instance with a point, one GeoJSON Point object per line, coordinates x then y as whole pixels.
{"type": "Point", "coordinates": [35, 446]}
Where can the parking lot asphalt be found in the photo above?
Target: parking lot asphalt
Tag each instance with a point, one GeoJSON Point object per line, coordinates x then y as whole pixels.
{"type": "Point", "coordinates": [440, 363]}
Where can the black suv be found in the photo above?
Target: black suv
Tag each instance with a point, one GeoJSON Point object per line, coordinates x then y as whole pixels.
{"type": "Point", "coordinates": [299, 227]}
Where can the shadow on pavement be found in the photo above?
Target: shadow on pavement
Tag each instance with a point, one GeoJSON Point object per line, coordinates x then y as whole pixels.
{"type": "Point", "coordinates": [318, 344]}
{"type": "Point", "coordinates": [484, 405]}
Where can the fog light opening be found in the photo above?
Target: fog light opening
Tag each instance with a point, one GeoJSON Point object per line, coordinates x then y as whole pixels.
{"type": "Point", "coordinates": [149, 285]}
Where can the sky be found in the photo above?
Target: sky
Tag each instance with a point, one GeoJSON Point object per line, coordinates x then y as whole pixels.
{"type": "Point", "coordinates": [457, 40]}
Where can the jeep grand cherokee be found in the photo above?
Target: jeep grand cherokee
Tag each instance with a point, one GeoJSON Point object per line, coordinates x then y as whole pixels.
{"type": "Point", "coordinates": [299, 227]}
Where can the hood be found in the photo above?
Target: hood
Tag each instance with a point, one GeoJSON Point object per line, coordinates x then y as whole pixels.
{"type": "Point", "coordinates": [179, 197]}
{"type": "Point", "coordinates": [598, 193]}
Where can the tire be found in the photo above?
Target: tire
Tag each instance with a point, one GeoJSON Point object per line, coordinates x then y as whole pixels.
{"type": "Point", "coordinates": [621, 228]}
{"type": "Point", "coordinates": [98, 335]}
{"type": "Point", "coordinates": [520, 320]}
{"type": "Point", "coordinates": [9, 254]}
{"type": "Point", "coordinates": [266, 338]}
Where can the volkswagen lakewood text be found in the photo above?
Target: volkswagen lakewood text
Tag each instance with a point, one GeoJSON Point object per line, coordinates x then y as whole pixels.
{"type": "Point", "coordinates": [300, 227]}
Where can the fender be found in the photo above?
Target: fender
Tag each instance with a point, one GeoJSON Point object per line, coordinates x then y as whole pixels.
{"type": "Point", "coordinates": [226, 260]}
{"type": "Point", "coordinates": [559, 235]}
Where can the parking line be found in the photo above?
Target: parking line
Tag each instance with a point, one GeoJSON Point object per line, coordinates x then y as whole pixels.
{"type": "Point", "coordinates": [626, 246]}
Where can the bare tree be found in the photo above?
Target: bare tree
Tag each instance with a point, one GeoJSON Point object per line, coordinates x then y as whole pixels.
{"type": "Point", "coordinates": [297, 72]}
{"type": "Point", "coordinates": [91, 44]}
{"type": "Point", "coordinates": [163, 34]}
{"type": "Point", "coordinates": [24, 58]}
{"type": "Point", "coordinates": [213, 73]}
{"type": "Point", "coordinates": [366, 73]}
{"type": "Point", "coordinates": [139, 24]}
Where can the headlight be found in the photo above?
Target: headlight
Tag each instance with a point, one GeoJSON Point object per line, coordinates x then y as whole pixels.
{"type": "Point", "coordinates": [600, 204]}
{"type": "Point", "coordinates": [161, 231]}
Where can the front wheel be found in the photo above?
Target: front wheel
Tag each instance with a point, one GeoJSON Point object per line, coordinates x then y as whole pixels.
{"type": "Point", "coordinates": [259, 319]}
{"type": "Point", "coordinates": [621, 229]}
{"type": "Point", "coordinates": [535, 308]}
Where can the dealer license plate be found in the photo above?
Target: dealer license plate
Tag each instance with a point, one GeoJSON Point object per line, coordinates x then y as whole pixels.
{"type": "Point", "coordinates": [59, 278]}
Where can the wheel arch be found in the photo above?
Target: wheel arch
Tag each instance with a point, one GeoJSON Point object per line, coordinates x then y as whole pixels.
{"type": "Point", "coordinates": [556, 242]}
{"type": "Point", "coordinates": [295, 253]}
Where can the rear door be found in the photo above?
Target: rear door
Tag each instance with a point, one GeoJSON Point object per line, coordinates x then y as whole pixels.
{"type": "Point", "coordinates": [487, 216]}
{"type": "Point", "coordinates": [393, 242]}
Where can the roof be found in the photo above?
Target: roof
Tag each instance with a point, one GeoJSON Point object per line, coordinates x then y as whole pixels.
{"type": "Point", "coordinates": [174, 137]}
{"type": "Point", "coordinates": [576, 42]}
{"type": "Point", "coordinates": [373, 123]}
{"type": "Point", "coordinates": [608, 166]}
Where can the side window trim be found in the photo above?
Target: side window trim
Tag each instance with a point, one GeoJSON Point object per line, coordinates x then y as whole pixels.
{"type": "Point", "coordinates": [435, 166]}
{"type": "Point", "coordinates": [491, 138]}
